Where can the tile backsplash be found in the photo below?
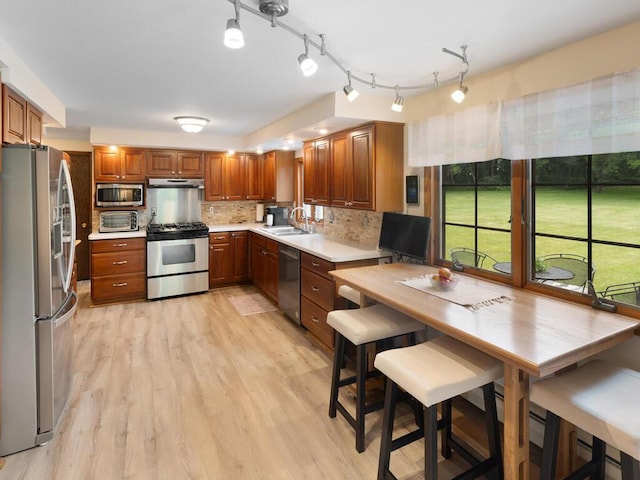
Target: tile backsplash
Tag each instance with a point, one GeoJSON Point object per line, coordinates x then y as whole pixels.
{"type": "Point", "coordinates": [355, 227]}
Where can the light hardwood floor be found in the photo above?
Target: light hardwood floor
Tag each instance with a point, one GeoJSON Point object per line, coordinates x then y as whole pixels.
{"type": "Point", "coordinates": [186, 388]}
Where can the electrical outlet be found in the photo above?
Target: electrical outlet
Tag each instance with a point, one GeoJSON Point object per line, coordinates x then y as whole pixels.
{"type": "Point", "coordinates": [154, 211]}
{"type": "Point", "coordinates": [211, 210]}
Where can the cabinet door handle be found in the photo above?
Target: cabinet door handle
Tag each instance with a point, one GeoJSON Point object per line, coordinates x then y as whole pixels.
{"type": "Point", "coordinates": [315, 264]}
{"type": "Point", "coordinates": [121, 262]}
{"type": "Point", "coordinates": [314, 288]}
{"type": "Point", "coordinates": [123, 284]}
{"type": "Point", "coordinates": [120, 244]}
{"type": "Point", "coordinates": [315, 319]}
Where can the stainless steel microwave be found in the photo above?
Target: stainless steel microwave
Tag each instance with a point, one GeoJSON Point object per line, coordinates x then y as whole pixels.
{"type": "Point", "coordinates": [119, 221]}
{"type": "Point", "coordinates": [119, 195]}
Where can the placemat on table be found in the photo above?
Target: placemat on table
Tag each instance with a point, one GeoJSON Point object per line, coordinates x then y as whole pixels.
{"type": "Point", "coordinates": [465, 295]}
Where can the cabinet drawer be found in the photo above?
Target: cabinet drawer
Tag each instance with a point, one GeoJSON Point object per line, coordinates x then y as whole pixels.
{"type": "Point", "coordinates": [318, 289]}
{"type": "Point", "coordinates": [317, 265]}
{"type": "Point", "coordinates": [272, 246]}
{"type": "Point", "coordinates": [219, 237]}
{"type": "Point", "coordinates": [118, 245]}
{"type": "Point", "coordinates": [314, 319]}
{"type": "Point", "coordinates": [115, 263]}
{"type": "Point", "coordinates": [118, 287]}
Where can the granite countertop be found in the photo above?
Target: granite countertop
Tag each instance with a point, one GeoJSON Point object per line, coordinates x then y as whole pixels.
{"type": "Point", "coordinates": [312, 243]}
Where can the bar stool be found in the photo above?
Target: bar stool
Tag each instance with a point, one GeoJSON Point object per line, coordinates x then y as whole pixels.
{"type": "Point", "coordinates": [361, 327]}
{"type": "Point", "coordinates": [350, 294]}
{"type": "Point", "coordinates": [599, 398]}
{"type": "Point", "coordinates": [434, 372]}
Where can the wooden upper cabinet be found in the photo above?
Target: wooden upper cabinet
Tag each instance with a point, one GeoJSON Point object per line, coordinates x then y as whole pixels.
{"type": "Point", "coordinates": [253, 176]}
{"type": "Point", "coordinates": [224, 177]}
{"type": "Point", "coordinates": [162, 163]}
{"type": "Point", "coordinates": [308, 183]}
{"type": "Point", "coordinates": [14, 117]}
{"type": "Point", "coordinates": [190, 165]}
{"type": "Point", "coordinates": [34, 125]}
{"type": "Point", "coordinates": [121, 165]}
{"type": "Point", "coordinates": [316, 172]}
{"type": "Point", "coordinates": [361, 175]}
{"type": "Point", "coordinates": [213, 179]}
{"type": "Point", "coordinates": [341, 171]}
{"type": "Point", "coordinates": [360, 168]}
{"type": "Point", "coordinates": [269, 176]}
{"type": "Point", "coordinates": [173, 164]}
{"type": "Point", "coordinates": [234, 177]}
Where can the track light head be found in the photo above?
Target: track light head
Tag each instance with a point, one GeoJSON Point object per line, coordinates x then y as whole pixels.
{"type": "Point", "coordinates": [459, 94]}
{"type": "Point", "coordinates": [233, 37]}
{"type": "Point", "coordinates": [398, 103]}
{"type": "Point", "coordinates": [349, 91]}
{"type": "Point", "coordinates": [307, 64]}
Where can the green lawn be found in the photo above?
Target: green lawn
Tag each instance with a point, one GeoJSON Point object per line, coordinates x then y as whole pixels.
{"type": "Point", "coordinates": [560, 211]}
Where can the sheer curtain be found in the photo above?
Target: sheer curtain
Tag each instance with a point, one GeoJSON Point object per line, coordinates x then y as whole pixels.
{"type": "Point", "coordinates": [471, 135]}
{"type": "Point", "coordinates": [597, 116]}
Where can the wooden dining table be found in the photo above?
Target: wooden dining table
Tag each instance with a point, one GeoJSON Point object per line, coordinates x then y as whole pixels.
{"type": "Point", "coordinates": [533, 334]}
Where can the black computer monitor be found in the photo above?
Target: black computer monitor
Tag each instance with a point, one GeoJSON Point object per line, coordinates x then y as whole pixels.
{"type": "Point", "coordinates": [406, 235]}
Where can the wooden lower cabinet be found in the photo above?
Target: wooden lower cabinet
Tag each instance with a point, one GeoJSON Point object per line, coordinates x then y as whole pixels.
{"type": "Point", "coordinates": [228, 258]}
{"type": "Point", "coordinates": [264, 265]}
{"type": "Point", "coordinates": [319, 294]}
{"type": "Point", "coordinates": [118, 270]}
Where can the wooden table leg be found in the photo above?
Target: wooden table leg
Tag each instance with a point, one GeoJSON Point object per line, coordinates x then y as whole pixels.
{"type": "Point", "coordinates": [516, 423]}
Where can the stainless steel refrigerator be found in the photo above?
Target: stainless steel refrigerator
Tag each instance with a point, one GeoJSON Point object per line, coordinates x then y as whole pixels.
{"type": "Point", "coordinates": [38, 246]}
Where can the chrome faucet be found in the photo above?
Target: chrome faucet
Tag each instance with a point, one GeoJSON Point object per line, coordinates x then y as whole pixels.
{"type": "Point", "coordinates": [306, 219]}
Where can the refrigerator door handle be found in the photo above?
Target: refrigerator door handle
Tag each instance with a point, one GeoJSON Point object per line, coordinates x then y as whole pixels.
{"type": "Point", "coordinates": [65, 185]}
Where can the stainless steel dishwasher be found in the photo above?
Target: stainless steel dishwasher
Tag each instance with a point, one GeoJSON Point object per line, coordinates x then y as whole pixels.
{"type": "Point", "coordinates": [289, 282]}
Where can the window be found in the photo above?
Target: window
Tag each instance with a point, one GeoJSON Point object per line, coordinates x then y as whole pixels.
{"type": "Point", "coordinates": [586, 223]}
{"type": "Point", "coordinates": [476, 210]}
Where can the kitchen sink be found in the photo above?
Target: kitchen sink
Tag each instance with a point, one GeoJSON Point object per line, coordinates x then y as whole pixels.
{"type": "Point", "coordinates": [283, 231]}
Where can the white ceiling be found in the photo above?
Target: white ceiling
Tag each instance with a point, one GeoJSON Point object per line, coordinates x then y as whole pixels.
{"type": "Point", "coordinates": [135, 65]}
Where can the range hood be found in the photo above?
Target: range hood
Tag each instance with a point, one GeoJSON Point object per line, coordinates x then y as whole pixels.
{"type": "Point", "coordinates": [176, 183]}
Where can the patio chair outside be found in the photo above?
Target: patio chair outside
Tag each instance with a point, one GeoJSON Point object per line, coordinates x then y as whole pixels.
{"type": "Point", "coordinates": [574, 263]}
{"type": "Point", "coordinates": [469, 256]}
{"type": "Point", "coordinates": [623, 292]}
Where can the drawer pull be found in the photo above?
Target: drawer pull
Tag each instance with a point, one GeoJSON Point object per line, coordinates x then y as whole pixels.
{"type": "Point", "coordinates": [120, 244]}
{"type": "Point", "coordinates": [315, 289]}
{"type": "Point", "coordinates": [315, 319]}
{"type": "Point", "coordinates": [123, 284]}
{"type": "Point", "coordinates": [315, 264]}
{"type": "Point", "coordinates": [121, 262]}
{"type": "Point", "coordinates": [219, 238]}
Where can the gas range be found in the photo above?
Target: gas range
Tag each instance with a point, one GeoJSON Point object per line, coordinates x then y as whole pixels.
{"type": "Point", "coordinates": [176, 231]}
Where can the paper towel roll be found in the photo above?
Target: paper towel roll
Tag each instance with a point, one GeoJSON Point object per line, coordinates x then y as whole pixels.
{"type": "Point", "coordinates": [259, 212]}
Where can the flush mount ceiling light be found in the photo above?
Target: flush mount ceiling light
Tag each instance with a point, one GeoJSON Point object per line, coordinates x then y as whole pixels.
{"type": "Point", "coordinates": [349, 91]}
{"type": "Point", "coordinates": [307, 64]}
{"type": "Point", "coordinates": [233, 37]}
{"type": "Point", "coordinates": [272, 10]}
{"type": "Point", "coordinates": [191, 124]}
{"type": "Point", "coordinates": [398, 103]}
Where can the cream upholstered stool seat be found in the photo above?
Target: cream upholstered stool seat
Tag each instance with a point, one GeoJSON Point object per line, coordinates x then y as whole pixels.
{"type": "Point", "coordinates": [350, 294]}
{"type": "Point", "coordinates": [434, 372]}
{"type": "Point", "coordinates": [362, 327]}
{"type": "Point", "coordinates": [600, 398]}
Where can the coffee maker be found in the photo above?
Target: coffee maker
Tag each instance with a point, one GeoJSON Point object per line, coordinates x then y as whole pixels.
{"type": "Point", "coordinates": [280, 215]}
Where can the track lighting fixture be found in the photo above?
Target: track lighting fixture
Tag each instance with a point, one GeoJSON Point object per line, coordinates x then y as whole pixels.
{"type": "Point", "coordinates": [191, 124]}
{"type": "Point", "coordinates": [272, 10]}
{"type": "Point", "coordinates": [349, 91]}
{"type": "Point", "coordinates": [233, 37]}
{"type": "Point", "coordinates": [307, 64]}
{"type": "Point", "coordinates": [398, 103]}
{"type": "Point", "coordinates": [461, 92]}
